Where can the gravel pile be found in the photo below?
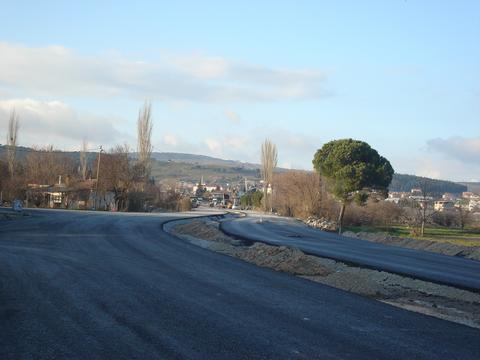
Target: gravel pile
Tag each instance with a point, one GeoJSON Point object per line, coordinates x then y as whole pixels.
{"type": "Point", "coordinates": [282, 258]}
{"type": "Point", "coordinates": [322, 224]}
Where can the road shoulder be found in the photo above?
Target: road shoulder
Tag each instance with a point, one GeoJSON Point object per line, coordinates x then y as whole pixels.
{"type": "Point", "coordinates": [441, 301]}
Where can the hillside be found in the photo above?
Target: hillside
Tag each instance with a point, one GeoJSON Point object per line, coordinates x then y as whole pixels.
{"type": "Point", "coordinates": [191, 168]}
{"type": "Point", "coordinates": [472, 186]}
{"type": "Point", "coordinates": [403, 182]}
{"type": "Point", "coordinates": [23, 151]}
{"type": "Point", "coordinates": [188, 167]}
{"type": "Point", "coordinates": [211, 173]}
{"type": "Point", "coordinates": [199, 160]}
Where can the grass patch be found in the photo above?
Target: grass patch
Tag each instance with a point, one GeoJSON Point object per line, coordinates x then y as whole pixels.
{"type": "Point", "coordinates": [467, 237]}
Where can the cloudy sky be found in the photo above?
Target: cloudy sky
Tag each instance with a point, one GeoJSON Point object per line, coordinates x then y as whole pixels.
{"type": "Point", "coordinates": [402, 75]}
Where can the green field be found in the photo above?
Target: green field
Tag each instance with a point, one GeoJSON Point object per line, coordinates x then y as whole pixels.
{"type": "Point", "coordinates": [467, 237]}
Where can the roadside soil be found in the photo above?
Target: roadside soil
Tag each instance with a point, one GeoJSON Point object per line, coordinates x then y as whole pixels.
{"type": "Point", "coordinates": [441, 301]}
{"type": "Point", "coordinates": [469, 252]}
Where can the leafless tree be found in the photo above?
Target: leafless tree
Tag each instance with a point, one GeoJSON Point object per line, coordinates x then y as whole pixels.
{"type": "Point", "coordinates": [424, 211]}
{"type": "Point", "coordinates": [464, 216]}
{"type": "Point", "coordinates": [144, 137]}
{"type": "Point", "coordinates": [419, 212]}
{"type": "Point", "coordinates": [119, 175]}
{"type": "Point", "coordinates": [12, 137]}
{"type": "Point", "coordinates": [83, 159]}
{"type": "Point", "coordinates": [45, 165]}
{"type": "Point", "coordinates": [299, 194]}
{"type": "Point", "coordinates": [374, 213]}
{"type": "Point", "coordinates": [269, 159]}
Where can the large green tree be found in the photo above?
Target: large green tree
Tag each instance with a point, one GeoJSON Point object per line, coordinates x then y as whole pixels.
{"type": "Point", "coordinates": [353, 169]}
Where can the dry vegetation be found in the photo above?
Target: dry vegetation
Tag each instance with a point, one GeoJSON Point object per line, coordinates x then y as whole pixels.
{"type": "Point", "coordinates": [269, 160]}
{"type": "Point", "coordinates": [304, 195]}
{"type": "Point", "coordinates": [46, 170]}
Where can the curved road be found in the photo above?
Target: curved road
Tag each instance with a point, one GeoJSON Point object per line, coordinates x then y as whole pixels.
{"type": "Point", "coordinates": [79, 285]}
{"type": "Point", "coordinates": [443, 269]}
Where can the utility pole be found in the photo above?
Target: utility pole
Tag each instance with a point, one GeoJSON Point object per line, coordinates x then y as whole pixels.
{"type": "Point", "coordinates": [98, 171]}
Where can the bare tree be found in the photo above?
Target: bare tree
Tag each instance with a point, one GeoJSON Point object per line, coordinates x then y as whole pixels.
{"type": "Point", "coordinates": [299, 194]}
{"type": "Point", "coordinates": [45, 165]}
{"type": "Point", "coordinates": [12, 138]}
{"type": "Point", "coordinates": [119, 175]}
{"type": "Point", "coordinates": [464, 216]}
{"type": "Point", "coordinates": [83, 160]}
{"type": "Point", "coordinates": [269, 159]}
{"type": "Point", "coordinates": [421, 210]}
{"type": "Point", "coordinates": [144, 140]}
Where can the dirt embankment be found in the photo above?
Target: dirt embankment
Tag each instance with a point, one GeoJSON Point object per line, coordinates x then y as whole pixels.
{"type": "Point", "coordinates": [281, 258]}
{"type": "Point", "coordinates": [469, 252]}
{"type": "Point", "coordinates": [416, 295]}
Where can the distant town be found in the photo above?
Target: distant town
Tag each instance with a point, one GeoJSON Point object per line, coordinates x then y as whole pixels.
{"type": "Point", "coordinates": [448, 201]}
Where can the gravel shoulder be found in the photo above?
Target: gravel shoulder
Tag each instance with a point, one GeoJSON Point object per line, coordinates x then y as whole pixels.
{"type": "Point", "coordinates": [441, 301]}
{"type": "Point", "coordinates": [469, 252]}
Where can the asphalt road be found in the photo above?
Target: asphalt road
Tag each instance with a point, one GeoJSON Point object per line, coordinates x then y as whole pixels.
{"type": "Point", "coordinates": [443, 269]}
{"type": "Point", "coordinates": [114, 286]}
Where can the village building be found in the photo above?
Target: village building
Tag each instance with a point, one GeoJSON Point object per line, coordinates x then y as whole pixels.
{"type": "Point", "coordinates": [443, 205]}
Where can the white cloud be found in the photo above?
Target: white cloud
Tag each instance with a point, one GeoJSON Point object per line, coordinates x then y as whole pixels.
{"type": "Point", "coordinates": [215, 146]}
{"type": "Point", "coordinates": [436, 166]}
{"type": "Point", "coordinates": [54, 122]}
{"type": "Point", "coordinates": [58, 71]}
{"type": "Point", "coordinates": [236, 142]}
{"type": "Point", "coordinates": [466, 150]}
{"type": "Point", "coordinates": [226, 147]}
{"type": "Point", "coordinates": [295, 150]}
{"type": "Point", "coordinates": [200, 66]}
{"type": "Point", "coordinates": [171, 140]}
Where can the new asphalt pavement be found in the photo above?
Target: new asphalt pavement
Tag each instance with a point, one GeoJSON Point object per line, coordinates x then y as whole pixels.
{"type": "Point", "coordinates": [83, 285]}
{"type": "Point", "coordinates": [439, 268]}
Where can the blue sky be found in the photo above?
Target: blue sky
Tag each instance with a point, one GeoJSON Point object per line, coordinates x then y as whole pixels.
{"type": "Point", "coordinates": [402, 75]}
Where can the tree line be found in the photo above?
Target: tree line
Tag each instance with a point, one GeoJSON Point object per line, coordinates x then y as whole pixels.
{"type": "Point", "coordinates": [404, 183]}
{"type": "Point", "coordinates": [348, 187]}
{"type": "Point", "coordinates": [113, 171]}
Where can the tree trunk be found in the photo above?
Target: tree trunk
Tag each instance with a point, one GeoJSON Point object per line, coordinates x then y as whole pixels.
{"type": "Point", "coordinates": [424, 216]}
{"type": "Point", "coordinates": [340, 218]}
{"type": "Point", "coordinates": [265, 198]}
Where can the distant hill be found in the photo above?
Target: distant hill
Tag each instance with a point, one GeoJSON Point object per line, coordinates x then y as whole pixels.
{"type": "Point", "coordinates": [179, 166]}
{"type": "Point", "coordinates": [472, 186]}
{"type": "Point", "coordinates": [191, 168]}
{"type": "Point", "coordinates": [211, 173]}
{"type": "Point", "coordinates": [403, 182]}
{"type": "Point", "coordinates": [199, 159]}
{"type": "Point", "coordinates": [23, 151]}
